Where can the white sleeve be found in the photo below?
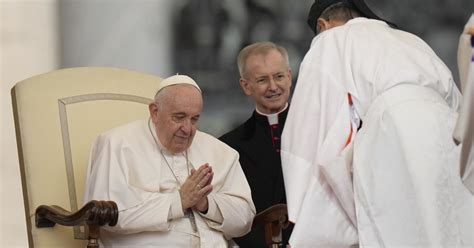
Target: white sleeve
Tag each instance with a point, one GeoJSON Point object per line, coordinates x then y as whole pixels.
{"type": "Point", "coordinates": [315, 134]}
{"type": "Point", "coordinates": [316, 129]}
{"type": "Point", "coordinates": [139, 210]}
{"type": "Point", "coordinates": [464, 131]}
{"type": "Point", "coordinates": [231, 209]}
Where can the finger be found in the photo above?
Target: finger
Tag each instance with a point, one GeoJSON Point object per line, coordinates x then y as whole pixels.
{"type": "Point", "coordinates": [207, 179]}
{"type": "Point", "coordinates": [195, 172]}
{"type": "Point", "coordinates": [204, 181]}
{"type": "Point", "coordinates": [195, 176]}
{"type": "Point", "coordinates": [201, 173]}
{"type": "Point", "coordinates": [206, 190]}
{"type": "Point", "coordinates": [203, 166]}
{"type": "Point", "coordinates": [210, 178]}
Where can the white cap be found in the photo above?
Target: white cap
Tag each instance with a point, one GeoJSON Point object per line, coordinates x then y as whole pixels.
{"type": "Point", "coordinates": [177, 79]}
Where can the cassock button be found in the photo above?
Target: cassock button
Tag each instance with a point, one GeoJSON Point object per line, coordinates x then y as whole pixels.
{"type": "Point", "coordinates": [278, 150]}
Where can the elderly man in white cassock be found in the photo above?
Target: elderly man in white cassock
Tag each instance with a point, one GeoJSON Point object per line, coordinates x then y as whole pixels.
{"type": "Point", "coordinates": [174, 186]}
{"type": "Point", "coordinates": [392, 181]}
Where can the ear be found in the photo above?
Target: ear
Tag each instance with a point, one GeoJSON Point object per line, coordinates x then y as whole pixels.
{"type": "Point", "coordinates": [153, 109]}
{"type": "Point", "coordinates": [245, 85]}
{"type": "Point", "coordinates": [321, 25]}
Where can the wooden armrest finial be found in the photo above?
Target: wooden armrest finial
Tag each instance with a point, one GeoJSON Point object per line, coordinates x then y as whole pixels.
{"type": "Point", "coordinates": [273, 219]}
{"type": "Point", "coordinates": [470, 31]}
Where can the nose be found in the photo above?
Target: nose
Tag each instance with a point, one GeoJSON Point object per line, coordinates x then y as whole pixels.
{"type": "Point", "coordinates": [272, 85]}
{"type": "Point", "coordinates": [186, 126]}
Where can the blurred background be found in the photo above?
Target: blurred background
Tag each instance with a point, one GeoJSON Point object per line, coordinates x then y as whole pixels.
{"type": "Point", "coordinates": [200, 38]}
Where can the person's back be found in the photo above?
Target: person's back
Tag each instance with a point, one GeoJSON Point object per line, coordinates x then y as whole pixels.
{"type": "Point", "coordinates": [377, 57]}
{"type": "Point", "coordinates": [392, 181]}
{"type": "Point", "coordinates": [406, 140]}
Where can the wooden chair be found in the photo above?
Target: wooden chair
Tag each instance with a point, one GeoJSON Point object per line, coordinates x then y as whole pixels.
{"type": "Point", "coordinates": [274, 219]}
{"type": "Point", "coordinates": [57, 116]}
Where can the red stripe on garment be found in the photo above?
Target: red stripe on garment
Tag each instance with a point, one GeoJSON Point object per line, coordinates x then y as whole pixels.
{"type": "Point", "coordinates": [349, 139]}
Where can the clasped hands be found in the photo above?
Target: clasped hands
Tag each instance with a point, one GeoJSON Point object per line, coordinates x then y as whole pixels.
{"type": "Point", "coordinates": [195, 189]}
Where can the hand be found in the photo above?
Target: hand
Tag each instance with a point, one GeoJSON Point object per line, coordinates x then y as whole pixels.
{"type": "Point", "coordinates": [196, 187]}
{"type": "Point", "coordinates": [203, 204]}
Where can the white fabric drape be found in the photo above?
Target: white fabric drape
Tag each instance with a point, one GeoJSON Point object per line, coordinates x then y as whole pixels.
{"type": "Point", "coordinates": [464, 132]}
{"type": "Point", "coordinates": [364, 58]}
{"type": "Point", "coordinates": [127, 167]}
{"type": "Point", "coordinates": [408, 192]}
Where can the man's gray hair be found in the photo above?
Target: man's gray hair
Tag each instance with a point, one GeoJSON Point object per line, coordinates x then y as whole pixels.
{"type": "Point", "coordinates": [259, 48]}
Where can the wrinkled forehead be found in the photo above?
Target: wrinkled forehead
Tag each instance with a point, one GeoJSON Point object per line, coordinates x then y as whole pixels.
{"type": "Point", "coordinates": [181, 97]}
{"type": "Point", "coordinates": [179, 91]}
{"type": "Point", "coordinates": [272, 63]}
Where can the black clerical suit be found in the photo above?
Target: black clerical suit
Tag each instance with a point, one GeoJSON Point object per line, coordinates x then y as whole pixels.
{"type": "Point", "coordinates": [258, 144]}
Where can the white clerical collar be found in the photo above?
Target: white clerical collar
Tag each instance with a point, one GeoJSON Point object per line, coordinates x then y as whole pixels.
{"type": "Point", "coordinates": [272, 118]}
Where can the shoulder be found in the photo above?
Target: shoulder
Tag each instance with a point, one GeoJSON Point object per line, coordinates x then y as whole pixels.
{"type": "Point", "coordinates": [208, 148]}
{"type": "Point", "coordinates": [132, 142]}
{"type": "Point", "coordinates": [131, 132]}
{"type": "Point", "coordinates": [239, 133]}
{"type": "Point", "coordinates": [125, 129]}
{"type": "Point", "coordinates": [233, 135]}
{"type": "Point", "coordinates": [211, 142]}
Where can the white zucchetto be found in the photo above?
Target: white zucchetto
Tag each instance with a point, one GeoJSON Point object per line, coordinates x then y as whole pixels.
{"type": "Point", "coordinates": [177, 79]}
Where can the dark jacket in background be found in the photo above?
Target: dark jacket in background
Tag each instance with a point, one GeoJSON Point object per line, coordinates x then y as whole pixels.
{"type": "Point", "coordinates": [258, 144]}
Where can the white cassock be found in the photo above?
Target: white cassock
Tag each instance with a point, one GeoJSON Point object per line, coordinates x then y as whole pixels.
{"type": "Point", "coordinates": [464, 132]}
{"type": "Point", "coordinates": [127, 167]}
{"type": "Point", "coordinates": [395, 182]}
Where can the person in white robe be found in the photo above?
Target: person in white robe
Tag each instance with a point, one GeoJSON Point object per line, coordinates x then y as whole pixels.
{"type": "Point", "coordinates": [367, 151]}
{"type": "Point", "coordinates": [464, 132]}
{"type": "Point", "coordinates": [174, 185]}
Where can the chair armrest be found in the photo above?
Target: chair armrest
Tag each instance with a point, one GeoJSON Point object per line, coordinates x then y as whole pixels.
{"type": "Point", "coordinates": [93, 213]}
{"type": "Point", "coordinates": [470, 31]}
{"type": "Point", "coordinates": [274, 219]}
{"type": "Point", "coordinates": [277, 212]}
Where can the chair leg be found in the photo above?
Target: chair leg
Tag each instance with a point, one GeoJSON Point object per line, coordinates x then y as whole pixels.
{"type": "Point", "coordinates": [94, 231]}
{"type": "Point", "coordinates": [273, 235]}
